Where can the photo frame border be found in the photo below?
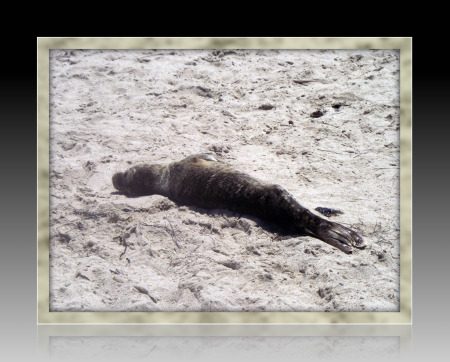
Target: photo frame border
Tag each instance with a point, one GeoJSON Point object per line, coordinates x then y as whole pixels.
{"type": "Point", "coordinates": [403, 316]}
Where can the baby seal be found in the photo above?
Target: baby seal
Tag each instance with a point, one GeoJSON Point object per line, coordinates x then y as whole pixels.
{"type": "Point", "coordinates": [202, 181]}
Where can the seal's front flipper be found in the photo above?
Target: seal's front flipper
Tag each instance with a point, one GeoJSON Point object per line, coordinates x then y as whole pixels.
{"type": "Point", "coordinates": [207, 157]}
{"type": "Point", "coordinates": [200, 156]}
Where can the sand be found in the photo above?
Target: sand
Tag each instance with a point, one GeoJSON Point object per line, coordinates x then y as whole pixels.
{"type": "Point", "coordinates": [324, 124]}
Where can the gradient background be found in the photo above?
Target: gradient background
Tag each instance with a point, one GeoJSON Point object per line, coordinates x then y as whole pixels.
{"type": "Point", "coordinates": [427, 338]}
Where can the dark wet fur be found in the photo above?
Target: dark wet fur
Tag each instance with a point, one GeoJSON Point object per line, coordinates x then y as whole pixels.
{"type": "Point", "coordinates": [201, 181]}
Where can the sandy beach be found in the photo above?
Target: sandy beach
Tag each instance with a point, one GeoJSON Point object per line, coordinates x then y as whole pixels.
{"type": "Point", "coordinates": [324, 124]}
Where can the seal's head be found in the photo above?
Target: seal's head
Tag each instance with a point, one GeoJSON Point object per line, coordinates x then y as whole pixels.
{"type": "Point", "coordinates": [118, 181]}
{"type": "Point", "coordinates": [139, 180]}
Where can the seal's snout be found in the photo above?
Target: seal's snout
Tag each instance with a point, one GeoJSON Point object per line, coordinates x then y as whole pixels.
{"type": "Point", "coordinates": [118, 181]}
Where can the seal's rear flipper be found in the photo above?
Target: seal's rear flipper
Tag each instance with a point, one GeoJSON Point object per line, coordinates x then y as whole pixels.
{"type": "Point", "coordinates": [340, 237]}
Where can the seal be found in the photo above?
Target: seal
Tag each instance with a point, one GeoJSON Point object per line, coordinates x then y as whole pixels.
{"type": "Point", "coordinates": [200, 180]}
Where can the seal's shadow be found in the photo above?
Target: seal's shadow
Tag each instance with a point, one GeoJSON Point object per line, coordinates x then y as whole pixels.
{"type": "Point", "coordinates": [267, 226]}
{"type": "Point", "coordinates": [125, 194]}
{"type": "Point", "coordinates": [272, 228]}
